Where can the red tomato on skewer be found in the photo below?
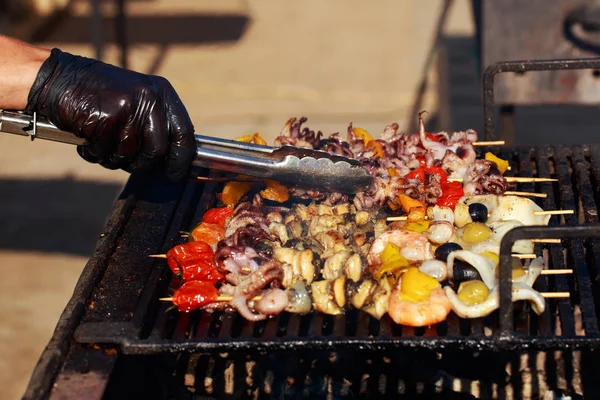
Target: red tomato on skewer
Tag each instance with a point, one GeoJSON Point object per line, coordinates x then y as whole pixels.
{"type": "Point", "coordinates": [208, 233]}
{"type": "Point", "coordinates": [193, 295]}
{"type": "Point", "coordinates": [201, 270]}
{"type": "Point", "coordinates": [217, 216]}
{"type": "Point", "coordinates": [186, 252]}
{"type": "Point", "coordinates": [451, 193]}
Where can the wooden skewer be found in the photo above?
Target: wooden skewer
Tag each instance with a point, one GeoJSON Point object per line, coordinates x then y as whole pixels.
{"type": "Point", "coordinates": [556, 271]}
{"type": "Point", "coordinates": [518, 179]}
{"type": "Point", "coordinates": [556, 295]}
{"type": "Point", "coordinates": [157, 256]}
{"type": "Point", "coordinates": [525, 256]}
{"type": "Point", "coordinates": [546, 295]}
{"type": "Point", "coordinates": [527, 194]}
{"type": "Point", "coordinates": [554, 212]}
{"type": "Point", "coordinates": [555, 241]}
{"type": "Point", "coordinates": [549, 212]}
{"type": "Point", "coordinates": [220, 298]}
{"type": "Point", "coordinates": [490, 143]}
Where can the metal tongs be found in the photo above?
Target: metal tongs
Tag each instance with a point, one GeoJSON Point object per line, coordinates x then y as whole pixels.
{"type": "Point", "coordinates": [290, 165]}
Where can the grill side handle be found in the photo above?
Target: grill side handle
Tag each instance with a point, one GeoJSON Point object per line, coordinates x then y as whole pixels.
{"type": "Point", "coordinates": [522, 66]}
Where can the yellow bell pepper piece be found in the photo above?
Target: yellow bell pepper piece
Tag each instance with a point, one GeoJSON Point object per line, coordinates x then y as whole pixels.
{"type": "Point", "coordinates": [376, 147]}
{"type": "Point", "coordinates": [363, 134]}
{"type": "Point", "coordinates": [393, 266]}
{"type": "Point", "coordinates": [275, 191]}
{"type": "Point", "coordinates": [502, 164]}
{"type": "Point", "coordinates": [390, 250]}
{"type": "Point", "coordinates": [418, 226]}
{"type": "Point", "coordinates": [408, 203]}
{"type": "Point", "coordinates": [393, 171]}
{"type": "Point", "coordinates": [256, 139]}
{"type": "Point", "coordinates": [417, 214]}
{"type": "Point", "coordinates": [234, 191]}
{"type": "Point", "coordinates": [416, 286]}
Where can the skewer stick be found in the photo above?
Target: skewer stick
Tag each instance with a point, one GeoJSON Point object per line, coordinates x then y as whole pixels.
{"type": "Point", "coordinates": [549, 212]}
{"type": "Point", "coordinates": [157, 256]}
{"type": "Point", "coordinates": [220, 298]}
{"type": "Point", "coordinates": [557, 271]}
{"type": "Point", "coordinates": [554, 212]}
{"type": "Point", "coordinates": [517, 179]}
{"type": "Point", "coordinates": [525, 256]}
{"type": "Point", "coordinates": [556, 295]}
{"type": "Point", "coordinates": [527, 194]}
{"type": "Point", "coordinates": [490, 143]}
{"type": "Point", "coordinates": [555, 241]}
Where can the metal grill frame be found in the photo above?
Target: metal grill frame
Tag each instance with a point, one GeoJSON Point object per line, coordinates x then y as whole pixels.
{"type": "Point", "coordinates": [521, 67]}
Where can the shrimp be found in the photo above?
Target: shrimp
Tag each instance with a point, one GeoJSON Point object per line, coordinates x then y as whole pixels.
{"type": "Point", "coordinates": [414, 246]}
{"type": "Point", "coordinates": [421, 313]}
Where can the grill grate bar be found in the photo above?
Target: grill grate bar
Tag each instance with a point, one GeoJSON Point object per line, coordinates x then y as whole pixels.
{"type": "Point", "coordinates": [590, 213]}
{"type": "Point", "coordinates": [594, 256]}
{"type": "Point", "coordinates": [527, 319]}
{"type": "Point", "coordinates": [565, 311]}
{"type": "Point", "coordinates": [577, 251]}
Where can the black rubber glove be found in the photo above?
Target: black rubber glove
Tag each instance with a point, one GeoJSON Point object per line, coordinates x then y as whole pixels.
{"type": "Point", "coordinates": [130, 120]}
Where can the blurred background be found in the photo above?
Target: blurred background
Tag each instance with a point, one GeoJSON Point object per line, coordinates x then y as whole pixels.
{"type": "Point", "coordinates": [244, 66]}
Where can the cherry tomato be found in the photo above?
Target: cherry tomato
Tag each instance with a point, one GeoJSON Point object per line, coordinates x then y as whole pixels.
{"type": "Point", "coordinates": [217, 215]}
{"type": "Point", "coordinates": [451, 193]}
{"type": "Point", "coordinates": [185, 252]}
{"type": "Point", "coordinates": [201, 270]}
{"type": "Point", "coordinates": [194, 294]}
{"type": "Point", "coordinates": [208, 233]}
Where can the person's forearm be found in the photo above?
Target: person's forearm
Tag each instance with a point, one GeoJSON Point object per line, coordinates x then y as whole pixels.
{"type": "Point", "coordinates": [19, 65]}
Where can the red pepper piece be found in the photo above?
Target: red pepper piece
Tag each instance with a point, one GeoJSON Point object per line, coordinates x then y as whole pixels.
{"type": "Point", "coordinates": [188, 251]}
{"type": "Point", "coordinates": [201, 270]}
{"type": "Point", "coordinates": [451, 193]}
{"type": "Point", "coordinates": [432, 137]}
{"type": "Point", "coordinates": [419, 174]}
{"type": "Point", "coordinates": [217, 215]}
{"type": "Point", "coordinates": [194, 294]}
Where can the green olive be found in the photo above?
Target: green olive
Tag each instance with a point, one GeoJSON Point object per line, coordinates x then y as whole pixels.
{"type": "Point", "coordinates": [473, 292]}
{"type": "Point", "coordinates": [476, 232]}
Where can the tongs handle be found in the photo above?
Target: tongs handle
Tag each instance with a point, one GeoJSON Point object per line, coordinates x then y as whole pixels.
{"type": "Point", "coordinates": [22, 124]}
{"type": "Point", "coordinates": [209, 150]}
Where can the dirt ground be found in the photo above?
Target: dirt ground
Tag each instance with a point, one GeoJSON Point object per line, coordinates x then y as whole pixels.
{"type": "Point", "coordinates": [239, 67]}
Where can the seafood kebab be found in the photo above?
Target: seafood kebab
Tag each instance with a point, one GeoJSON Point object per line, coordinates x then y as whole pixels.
{"type": "Point", "coordinates": [330, 253]}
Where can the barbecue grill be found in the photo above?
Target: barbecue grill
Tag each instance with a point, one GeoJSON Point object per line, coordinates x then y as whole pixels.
{"type": "Point", "coordinates": [116, 339]}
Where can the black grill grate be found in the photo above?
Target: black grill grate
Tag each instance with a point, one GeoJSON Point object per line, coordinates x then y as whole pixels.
{"type": "Point", "coordinates": [126, 311]}
{"type": "Point", "coordinates": [406, 374]}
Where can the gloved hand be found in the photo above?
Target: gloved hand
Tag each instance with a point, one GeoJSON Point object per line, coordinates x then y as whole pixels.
{"type": "Point", "coordinates": [130, 120]}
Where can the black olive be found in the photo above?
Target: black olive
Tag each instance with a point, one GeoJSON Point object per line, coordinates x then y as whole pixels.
{"type": "Point", "coordinates": [462, 271]}
{"type": "Point", "coordinates": [478, 212]}
{"type": "Point", "coordinates": [442, 252]}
